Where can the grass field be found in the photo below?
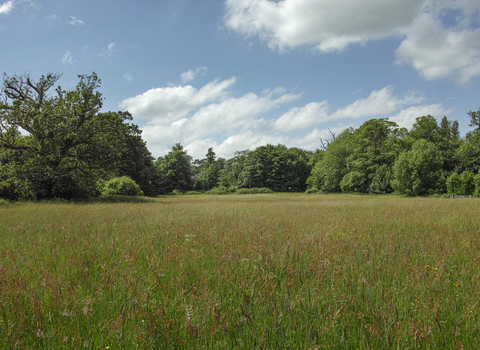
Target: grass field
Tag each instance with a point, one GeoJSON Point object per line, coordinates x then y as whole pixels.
{"type": "Point", "coordinates": [242, 272]}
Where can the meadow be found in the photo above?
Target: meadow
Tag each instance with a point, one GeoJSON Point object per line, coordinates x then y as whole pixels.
{"type": "Point", "coordinates": [267, 271]}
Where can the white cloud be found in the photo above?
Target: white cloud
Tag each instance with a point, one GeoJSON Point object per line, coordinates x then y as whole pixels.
{"type": "Point", "coordinates": [406, 117]}
{"type": "Point", "coordinates": [52, 17]}
{"type": "Point", "coordinates": [380, 102]}
{"type": "Point", "coordinates": [109, 51]}
{"type": "Point", "coordinates": [75, 21]}
{"type": "Point", "coordinates": [298, 118]}
{"type": "Point", "coordinates": [165, 105]}
{"type": "Point", "coordinates": [435, 50]}
{"type": "Point", "coordinates": [192, 74]}
{"type": "Point", "coordinates": [211, 116]}
{"type": "Point", "coordinates": [68, 58]}
{"type": "Point", "coordinates": [128, 77]}
{"type": "Point", "coordinates": [6, 7]}
{"type": "Point", "coordinates": [326, 25]}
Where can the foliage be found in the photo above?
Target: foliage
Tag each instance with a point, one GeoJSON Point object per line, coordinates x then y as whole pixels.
{"type": "Point", "coordinates": [279, 168]}
{"type": "Point", "coordinates": [177, 192]}
{"type": "Point", "coordinates": [193, 193]}
{"type": "Point", "coordinates": [209, 173]}
{"type": "Point", "coordinates": [468, 156]}
{"type": "Point", "coordinates": [312, 190]}
{"type": "Point", "coordinates": [218, 190]}
{"type": "Point", "coordinates": [137, 162]}
{"type": "Point", "coordinates": [476, 181]}
{"type": "Point", "coordinates": [121, 186]}
{"type": "Point", "coordinates": [70, 145]}
{"type": "Point", "coordinates": [454, 184]}
{"type": "Point", "coordinates": [174, 170]}
{"type": "Point", "coordinates": [418, 172]}
{"type": "Point", "coordinates": [330, 170]}
{"type": "Point", "coordinates": [275, 167]}
{"type": "Point", "coordinates": [474, 119]}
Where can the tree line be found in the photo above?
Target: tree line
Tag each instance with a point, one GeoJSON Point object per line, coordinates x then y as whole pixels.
{"type": "Point", "coordinates": [69, 149]}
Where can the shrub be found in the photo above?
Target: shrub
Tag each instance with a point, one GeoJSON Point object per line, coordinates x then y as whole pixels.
{"type": "Point", "coordinates": [311, 190]}
{"type": "Point", "coordinates": [193, 193]}
{"type": "Point", "coordinates": [121, 186]}
{"type": "Point", "coordinates": [218, 190]}
{"type": "Point", "coordinates": [177, 192]}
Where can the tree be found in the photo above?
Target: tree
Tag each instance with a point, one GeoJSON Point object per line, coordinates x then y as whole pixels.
{"type": "Point", "coordinates": [137, 162]}
{"type": "Point", "coordinates": [454, 184]}
{"type": "Point", "coordinates": [209, 173]}
{"type": "Point", "coordinates": [425, 127]}
{"type": "Point", "coordinates": [275, 167]}
{"type": "Point", "coordinates": [418, 172]}
{"type": "Point", "coordinates": [373, 147]}
{"type": "Point", "coordinates": [474, 119]}
{"type": "Point", "coordinates": [476, 181]}
{"type": "Point", "coordinates": [174, 170]}
{"type": "Point", "coordinates": [329, 172]}
{"type": "Point", "coordinates": [70, 144]}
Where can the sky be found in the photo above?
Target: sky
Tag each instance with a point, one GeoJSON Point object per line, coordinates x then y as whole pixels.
{"type": "Point", "coordinates": [238, 74]}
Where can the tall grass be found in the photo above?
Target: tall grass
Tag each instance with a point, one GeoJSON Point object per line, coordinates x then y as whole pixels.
{"type": "Point", "coordinates": [242, 272]}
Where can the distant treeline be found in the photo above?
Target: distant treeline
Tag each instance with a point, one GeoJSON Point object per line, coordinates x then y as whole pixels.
{"type": "Point", "coordinates": [74, 151]}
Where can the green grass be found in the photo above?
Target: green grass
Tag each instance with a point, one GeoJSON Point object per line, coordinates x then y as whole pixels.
{"type": "Point", "coordinates": [273, 271]}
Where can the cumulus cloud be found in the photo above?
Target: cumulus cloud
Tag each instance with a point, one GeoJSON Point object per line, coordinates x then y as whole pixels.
{"type": "Point", "coordinates": [380, 102]}
{"type": "Point", "coordinates": [327, 25]}
{"type": "Point", "coordinates": [434, 49]}
{"type": "Point", "coordinates": [437, 52]}
{"type": "Point", "coordinates": [6, 7]}
{"type": "Point", "coordinates": [169, 104]}
{"type": "Point", "coordinates": [75, 21]}
{"type": "Point", "coordinates": [302, 117]}
{"type": "Point", "coordinates": [406, 117]}
{"type": "Point", "coordinates": [213, 116]}
{"type": "Point", "coordinates": [192, 74]}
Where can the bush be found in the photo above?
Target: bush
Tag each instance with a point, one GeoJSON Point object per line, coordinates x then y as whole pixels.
{"type": "Point", "coordinates": [218, 190]}
{"type": "Point", "coordinates": [177, 192]}
{"type": "Point", "coordinates": [311, 190]}
{"type": "Point", "coordinates": [193, 193]}
{"type": "Point", "coordinates": [4, 202]}
{"type": "Point", "coordinates": [121, 186]}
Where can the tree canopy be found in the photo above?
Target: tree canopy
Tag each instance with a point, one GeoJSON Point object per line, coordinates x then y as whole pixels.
{"type": "Point", "coordinates": [68, 144]}
{"type": "Point", "coordinates": [59, 144]}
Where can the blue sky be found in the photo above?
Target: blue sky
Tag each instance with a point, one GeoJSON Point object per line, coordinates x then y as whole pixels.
{"type": "Point", "coordinates": [237, 74]}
